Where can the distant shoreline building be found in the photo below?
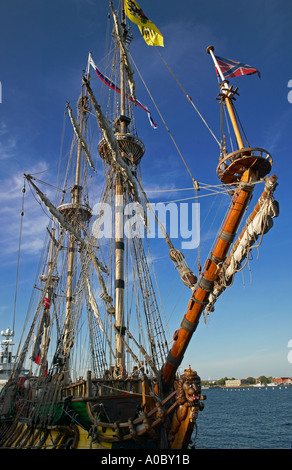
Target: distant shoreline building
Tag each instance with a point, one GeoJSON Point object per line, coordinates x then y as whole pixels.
{"type": "Point", "coordinates": [235, 382]}
{"type": "Point", "coordinates": [283, 380]}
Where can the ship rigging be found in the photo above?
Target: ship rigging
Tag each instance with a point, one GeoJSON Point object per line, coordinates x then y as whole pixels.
{"type": "Point", "coordinates": [96, 306]}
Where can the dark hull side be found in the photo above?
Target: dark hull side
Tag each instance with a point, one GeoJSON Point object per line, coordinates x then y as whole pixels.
{"type": "Point", "coordinates": [120, 419]}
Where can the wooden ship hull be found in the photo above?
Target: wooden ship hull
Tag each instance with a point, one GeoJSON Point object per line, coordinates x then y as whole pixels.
{"type": "Point", "coordinates": [113, 417]}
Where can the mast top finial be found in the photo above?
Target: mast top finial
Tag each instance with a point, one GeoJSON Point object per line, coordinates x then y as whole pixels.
{"type": "Point", "coordinates": [209, 49]}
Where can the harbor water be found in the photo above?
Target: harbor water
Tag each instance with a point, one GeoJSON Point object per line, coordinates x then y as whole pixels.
{"type": "Point", "coordinates": [246, 418]}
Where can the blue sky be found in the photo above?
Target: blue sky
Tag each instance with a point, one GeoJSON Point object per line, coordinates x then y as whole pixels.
{"type": "Point", "coordinates": [43, 50]}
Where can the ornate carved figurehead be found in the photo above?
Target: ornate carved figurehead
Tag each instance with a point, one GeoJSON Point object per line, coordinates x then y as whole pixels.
{"type": "Point", "coordinates": [189, 388]}
{"type": "Point", "coordinates": [188, 393]}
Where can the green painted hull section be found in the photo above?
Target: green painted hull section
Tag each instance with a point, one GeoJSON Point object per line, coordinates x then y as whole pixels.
{"type": "Point", "coordinates": [63, 413]}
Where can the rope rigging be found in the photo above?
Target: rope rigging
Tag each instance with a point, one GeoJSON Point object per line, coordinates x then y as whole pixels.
{"type": "Point", "coordinates": [187, 96]}
{"type": "Point", "coordinates": [212, 189]}
{"type": "Point", "coordinates": [18, 257]}
{"type": "Point", "coordinates": [164, 122]}
{"type": "Point", "coordinates": [95, 303]}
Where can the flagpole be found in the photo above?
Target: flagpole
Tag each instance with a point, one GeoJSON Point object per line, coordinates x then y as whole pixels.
{"type": "Point", "coordinates": [225, 89]}
{"type": "Point", "coordinates": [88, 64]}
{"type": "Point", "coordinates": [210, 50]}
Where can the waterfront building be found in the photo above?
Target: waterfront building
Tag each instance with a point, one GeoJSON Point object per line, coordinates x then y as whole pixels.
{"type": "Point", "coordinates": [235, 382]}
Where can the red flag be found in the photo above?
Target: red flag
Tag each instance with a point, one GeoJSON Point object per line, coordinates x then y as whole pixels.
{"type": "Point", "coordinates": [46, 301]}
{"type": "Point", "coordinates": [231, 68]}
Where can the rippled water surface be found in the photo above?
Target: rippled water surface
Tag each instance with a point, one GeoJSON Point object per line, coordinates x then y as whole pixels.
{"type": "Point", "coordinates": [246, 418]}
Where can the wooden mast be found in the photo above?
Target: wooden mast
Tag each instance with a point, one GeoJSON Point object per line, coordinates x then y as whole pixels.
{"type": "Point", "coordinates": [119, 229]}
{"type": "Point", "coordinates": [205, 285]}
{"type": "Point", "coordinates": [131, 150]}
{"type": "Point", "coordinates": [47, 303]}
{"type": "Point", "coordinates": [72, 215]}
{"type": "Point", "coordinates": [119, 272]}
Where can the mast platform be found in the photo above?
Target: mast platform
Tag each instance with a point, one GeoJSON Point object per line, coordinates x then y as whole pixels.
{"type": "Point", "coordinates": [233, 165]}
{"type": "Point", "coordinates": [70, 210]}
{"type": "Point", "coordinates": [45, 277]}
{"type": "Point", "coordinates": [131, 148]}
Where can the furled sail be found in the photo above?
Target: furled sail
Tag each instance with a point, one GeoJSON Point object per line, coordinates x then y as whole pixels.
{"type": "Point", "coordinates": [79, 136]}
{"type": "Point", "coordinates": [257, 224]}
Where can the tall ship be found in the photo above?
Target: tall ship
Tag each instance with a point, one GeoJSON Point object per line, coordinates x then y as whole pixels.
{"type": "Point", "coordinates": [102, 370]}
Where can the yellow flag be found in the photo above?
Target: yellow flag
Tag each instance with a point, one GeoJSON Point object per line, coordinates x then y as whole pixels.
{"type": "Point", "coordinates": [150, 33]}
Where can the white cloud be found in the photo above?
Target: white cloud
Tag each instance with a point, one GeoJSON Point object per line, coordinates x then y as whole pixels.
{"type": "Point", "coordinates": [34, 219]}
{"type": "Point", "coordinates": [7, 144]}
{"type": "Point", "coordinates": [3, 128]}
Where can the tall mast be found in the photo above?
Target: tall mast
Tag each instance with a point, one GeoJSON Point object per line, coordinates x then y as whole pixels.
{"type": "Point", "coordinates": [119, 272]}
{"type": "Point", "coordinates": [50, 297]}
{"type": "Point", "coordinates": [47, 304]}
{"type": "Point", "coordinates": [228, 101]}
{"type": "Point", "coordinates": [71, 212]}
{"type": "Point", "coordinates": [119, 224]}
{"type": "Point", "coordinates": [243, 166]}
{"type": "Point", "coordinates": [122, 72]}
{"type": "Point", "coordinates": [126, 149]}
